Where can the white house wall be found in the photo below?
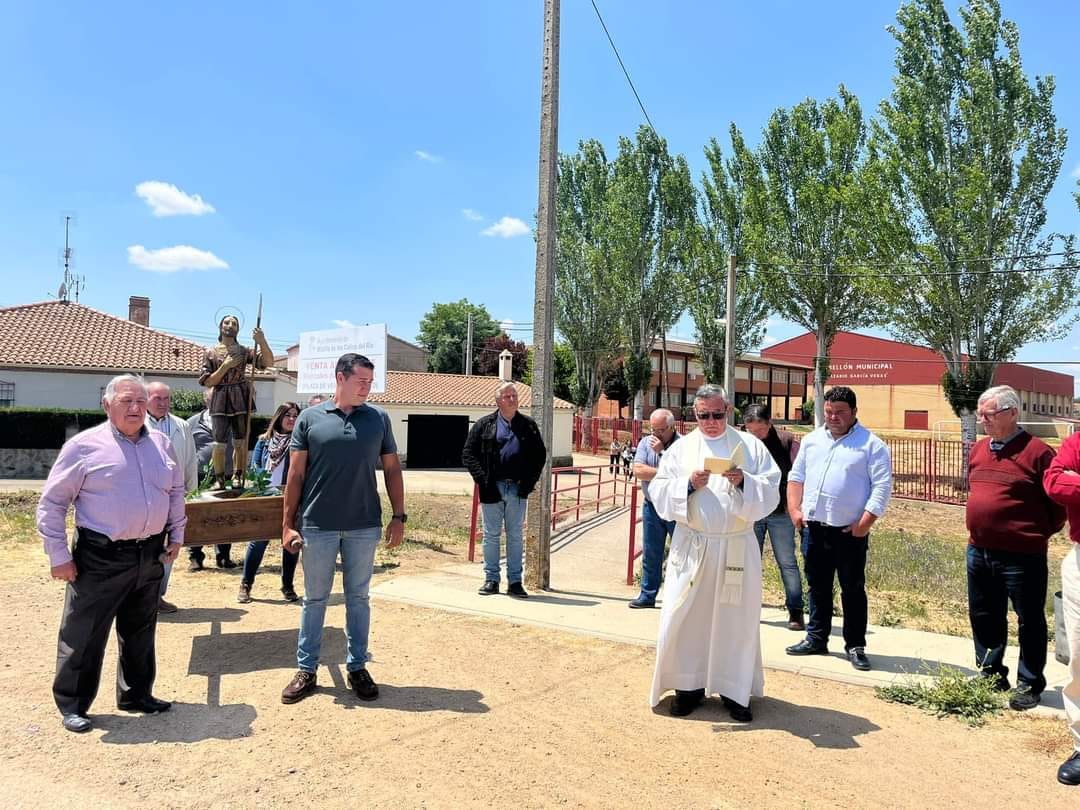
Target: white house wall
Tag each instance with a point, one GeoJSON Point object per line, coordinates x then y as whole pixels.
{"type": "Point", "coordinates": [83, 390]}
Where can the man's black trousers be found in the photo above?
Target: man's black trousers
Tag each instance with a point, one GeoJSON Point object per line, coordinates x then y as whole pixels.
{"type": "Point", "coordinates": [118, 580]}
{"type": "Point", "coordinates": [828, 552]}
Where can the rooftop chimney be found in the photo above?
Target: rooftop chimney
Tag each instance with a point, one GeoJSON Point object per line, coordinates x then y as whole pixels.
{"type": "Point", "coordinates": [506, 365]}
{"type": "Point", "coordinates": [139, 310]}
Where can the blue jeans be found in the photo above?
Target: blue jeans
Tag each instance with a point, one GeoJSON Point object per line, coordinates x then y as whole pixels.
{"type": "Point", "coordinates": [654, 534]}
{"type": "Point", "coordinates": [994, 579]}
{"type": "Point", "coordinates": [253, 558]}
{"type": "Point", "coordinates": [782, 536]}
{"type": "Point", "coordinates": [319, 558]}
{"type": "Point", "coordinates": [509, 512]}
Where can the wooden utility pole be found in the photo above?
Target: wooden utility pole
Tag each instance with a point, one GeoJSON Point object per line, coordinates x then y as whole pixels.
{"type": "Point", "coordinates": [729, 333]}
{"type": "Point", "coordinates": [538, 525]}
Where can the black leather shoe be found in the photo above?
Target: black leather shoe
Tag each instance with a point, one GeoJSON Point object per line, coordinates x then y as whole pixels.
{"type": "Point", "coordinates": [195, 564]}
{"type": "Point", "coordinates": [80, 725]}
{"type": "Point", "coordinates": [686, 701]}
{"type": "Point", "coordinates": [488, 588]}
{"type": "Point", "coordinates": [146, 705]}
{"type": "Point", "coordinates": [642, 602]}
{"type": "Point", "coordinates": [1024, 698]}
{"type": "Point", "coordinates": [806, 647]}
{"type": "Point", "coordinates": [858, 659]}
{"type": "Point", "coordinates": [290, 594]}
{"type": "Point", "coordinates": [795, 620]}
{"type": "Point", "coordinates": [1069, 772]}
{"type": "Point", "coordinates": [362, 685]}
{"type": "Point", "coordinates": [1001, 684]}
{"type": "Point", "coordinates": [225, 562]}
{"type": "Point", "coordinates": [738, 712]}
{"type": "Point", "coordinates": [515, 589]}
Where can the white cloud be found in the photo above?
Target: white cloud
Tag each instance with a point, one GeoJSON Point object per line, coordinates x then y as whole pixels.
{"type": "Point", "coordinates": [173, 259]}
{"type": "Point", "coordinates": [166, 200]}
{"type": "Point", "coordinates": [507, 228]}
{"type": "Point", "coordinates": [342, 323]}
{"type": "Point", "coordinates": [428, 156]}
{"type": "Point", "coordinates": [471, 215]}
{"type": "Point", "coordinates": [1076, 172]}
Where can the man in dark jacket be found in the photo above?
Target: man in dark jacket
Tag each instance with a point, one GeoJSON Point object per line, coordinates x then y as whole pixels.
{"type": "Point", "coordinates": [505, 456]}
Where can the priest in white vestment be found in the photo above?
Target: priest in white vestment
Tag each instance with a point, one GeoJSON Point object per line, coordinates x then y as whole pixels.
{"type": "Point", "coordinates": [709, 641]}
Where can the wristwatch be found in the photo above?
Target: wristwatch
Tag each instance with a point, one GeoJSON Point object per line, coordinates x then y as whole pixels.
{"type": "Point", "coordinates": [403, 517]}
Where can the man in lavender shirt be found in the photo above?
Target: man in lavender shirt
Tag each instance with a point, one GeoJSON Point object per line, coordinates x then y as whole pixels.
{"type": "Point", "coordinates": [128, 493]}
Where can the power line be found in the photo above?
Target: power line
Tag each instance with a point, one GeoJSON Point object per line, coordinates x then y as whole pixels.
{"type": "Point", "coordinates": [626, 73]}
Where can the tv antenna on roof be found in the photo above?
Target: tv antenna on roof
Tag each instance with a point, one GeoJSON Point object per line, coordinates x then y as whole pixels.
{"type": "Point", "coordinates": [72, 283]}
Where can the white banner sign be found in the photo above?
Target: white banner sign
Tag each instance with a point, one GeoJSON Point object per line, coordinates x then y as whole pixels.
{"type": "Point", "coordinates": [319, 353]}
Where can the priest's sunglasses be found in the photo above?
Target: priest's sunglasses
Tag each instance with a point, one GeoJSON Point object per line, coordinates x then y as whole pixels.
{"type": "Point", "coordinates": [719, 416]}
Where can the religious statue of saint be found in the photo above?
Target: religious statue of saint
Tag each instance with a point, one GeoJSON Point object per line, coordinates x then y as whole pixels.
{"type": "Point", "coordinates": [232, 395]}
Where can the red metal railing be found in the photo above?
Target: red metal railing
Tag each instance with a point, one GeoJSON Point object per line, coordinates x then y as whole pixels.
{"type": "Point", "coordinates": [623, 489]}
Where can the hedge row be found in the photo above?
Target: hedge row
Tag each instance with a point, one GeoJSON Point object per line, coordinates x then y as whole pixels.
{"type": "Point", "coordinates": [46, 428]}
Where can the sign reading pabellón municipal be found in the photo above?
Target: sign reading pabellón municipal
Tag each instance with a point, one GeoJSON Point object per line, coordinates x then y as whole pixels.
{"type": "Point", "coordinates": [319, 353]}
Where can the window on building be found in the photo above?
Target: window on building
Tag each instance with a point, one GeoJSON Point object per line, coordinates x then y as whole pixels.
{"type": "Point", "coordinates": [742, 373]}
{"type": "Point", "coordinates": [761, 374]}
{"type": "Point", "coordinates": [7, 394]}
{"type": "Point", "coordinates": [696, 369]}
{"type": "Point", "coordinates": [796, 377]}
{"type": "Point", "coordinates": [654, 361]}
{"type": "Point", "coordinates": [1024, 404]}
{"type": "Point", "coordinates": [676, 365]}
{"type": "Point", "coordinates": [779, 375]}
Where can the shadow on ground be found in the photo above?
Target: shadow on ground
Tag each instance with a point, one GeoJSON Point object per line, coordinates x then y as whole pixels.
{"type": "Point", "coordinates": [184, 723]}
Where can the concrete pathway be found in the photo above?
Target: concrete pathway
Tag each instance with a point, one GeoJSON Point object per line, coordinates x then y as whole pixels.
{"type": "Point", "coordinates": [589, 596]}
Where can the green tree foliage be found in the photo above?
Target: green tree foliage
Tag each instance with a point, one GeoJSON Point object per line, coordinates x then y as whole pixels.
{"type": "Point", "coordinates": [969, 149]}
{"type": "Point", "coordinates": [564, 371]}
{"type": "Point", "coordinates": [488, 363]}
{"type": "Point", "coordinates": [808, 193]}
{"type": "Point", "coordinates": [616, 389]}
{"type": "Point", "coordinates": [586, 306]}
{"type": "Point", "coordinates": [444, 329]}
{"type": "Point", "coordinates": [722, 232]}
{"type": "Point", "coordinates": [187, 401]}
{"type": "Point", "coordinates": [651, 213]}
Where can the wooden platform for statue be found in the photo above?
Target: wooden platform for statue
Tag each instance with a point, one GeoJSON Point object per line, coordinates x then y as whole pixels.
{"type": "Point", "coordinates": [233, 520]}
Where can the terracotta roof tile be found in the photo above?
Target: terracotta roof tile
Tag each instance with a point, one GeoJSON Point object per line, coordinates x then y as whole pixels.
{"type": "Point", "coordinates": [422, 388]}
{"type": "Point", "coordinates": [54, 334]}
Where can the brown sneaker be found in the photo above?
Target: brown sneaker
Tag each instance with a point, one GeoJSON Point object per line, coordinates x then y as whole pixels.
{"type": "Point", "coordinates": [302, 685]}
{"type": "Point", "coordinates": [362, 685]}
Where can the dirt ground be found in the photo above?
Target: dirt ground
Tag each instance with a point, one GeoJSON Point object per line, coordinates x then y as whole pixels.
{"type": "Point", "coordinates": [473, 712]}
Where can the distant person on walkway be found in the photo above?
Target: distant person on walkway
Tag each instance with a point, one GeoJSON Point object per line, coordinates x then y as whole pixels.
{"type": "Point", "coordinates": [505, 456]}
{"type": "Point", "coordinates": [316, 399]}
{"type": "Point", "coordinates": [1062, 484]}
{"type": "Point", "coordinates": [271, 454]}
{"type": "Point", "coordinates": [654, 529]}
{"type": "Point", "coordinates": [128, 493]}
{"type": "Point", "coordinates": [783, 447]}
{"type": "Point", "coordinates": [1010, 520]}
{"type": "Point", "coordinates": [838, 486]}
{"type": "Point", "coordinates": [627, 458]}
{"type": "Point", "coordinates": [709, 640]}
{"type": "Point", "coordinates": [332, 508]}
{"type": "Point", "coordinates": [159, 418]}
{"type": "Point", "coordinates": [614, 454]}
{"type": "Point", "coordinates": [202, 433]}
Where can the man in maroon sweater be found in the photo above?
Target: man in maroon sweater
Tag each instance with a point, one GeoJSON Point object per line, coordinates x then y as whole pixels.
{"type": "Point", "coordinates": [1010, 520]}
{"type": "Point", "coordinates": [1062, 482]}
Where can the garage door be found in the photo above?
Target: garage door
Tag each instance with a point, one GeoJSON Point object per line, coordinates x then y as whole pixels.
{"type": "Point", "coordinates": [435, 442]}
{"type": "Point", "coordinates": [916, 420]}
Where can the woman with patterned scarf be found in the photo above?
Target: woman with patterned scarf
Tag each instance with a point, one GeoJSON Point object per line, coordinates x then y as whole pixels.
{"type": "Point", "coordinates": [271, 454]}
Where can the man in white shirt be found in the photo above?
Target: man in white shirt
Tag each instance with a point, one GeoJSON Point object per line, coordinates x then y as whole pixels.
{"type": "Point", "coordinates": [158, 417]}
{"type": "Point", "coordinates": [838, 486]}
{"type": "Point", "coordinates": [709, 641]}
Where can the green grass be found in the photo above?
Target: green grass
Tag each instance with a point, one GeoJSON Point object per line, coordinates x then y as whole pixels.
{"type": "Point", "coordinates": [949, 693]}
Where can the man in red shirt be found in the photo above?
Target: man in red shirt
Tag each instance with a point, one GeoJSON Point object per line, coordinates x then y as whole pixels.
{"type": "Point", "coordinates": [1062, 483]}
{"type": "Point", "coordinates": [1010, 520]}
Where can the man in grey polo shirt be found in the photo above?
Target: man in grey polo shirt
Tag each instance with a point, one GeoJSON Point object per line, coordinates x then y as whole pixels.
{"type": "Point", "coordinates": [332, 507]}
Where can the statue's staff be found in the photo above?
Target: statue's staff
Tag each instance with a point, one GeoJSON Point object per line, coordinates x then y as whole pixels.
{"type": "Point", "coordinates": [251, 386]}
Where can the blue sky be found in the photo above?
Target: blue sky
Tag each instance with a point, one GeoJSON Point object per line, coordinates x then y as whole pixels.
{"type": "Point", "coordinates": [346, 159]}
